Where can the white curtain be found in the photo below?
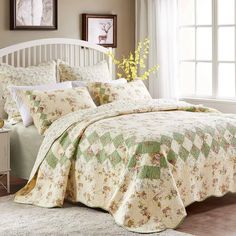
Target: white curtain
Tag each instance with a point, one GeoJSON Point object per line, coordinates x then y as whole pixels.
{"type": "Point", "coordinates": [157, 20]}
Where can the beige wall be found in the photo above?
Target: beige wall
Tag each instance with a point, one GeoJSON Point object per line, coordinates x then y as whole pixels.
{"type": "Point", "coordinates": [69, 22]}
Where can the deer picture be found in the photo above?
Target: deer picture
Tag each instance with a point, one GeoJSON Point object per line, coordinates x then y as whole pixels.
{"type": "Point", "coordinates": [105, 27]}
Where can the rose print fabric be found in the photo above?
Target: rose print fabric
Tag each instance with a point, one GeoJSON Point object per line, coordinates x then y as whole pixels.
{"type": "Point", "coordinates": [97, 72]}
{"type": "Point", "coordinates": [47, 106]}
{"type": "Point", "coordinates": [142, 161]}
{"type": "Point", "coordinates": [45, 73]}
{"type": "Point", "coordinates": [103, 93]}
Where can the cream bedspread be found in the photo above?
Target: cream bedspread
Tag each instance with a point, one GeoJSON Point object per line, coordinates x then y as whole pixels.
{"type": "Point", "coordinates": [142, 161]}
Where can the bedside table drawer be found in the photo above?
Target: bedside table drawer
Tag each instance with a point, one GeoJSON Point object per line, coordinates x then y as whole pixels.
{"type": "Point", "coordinates": [4, 152]}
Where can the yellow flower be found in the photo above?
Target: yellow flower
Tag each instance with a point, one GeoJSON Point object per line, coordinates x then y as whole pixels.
{"type": "Point", "coordinates": [129, 67]}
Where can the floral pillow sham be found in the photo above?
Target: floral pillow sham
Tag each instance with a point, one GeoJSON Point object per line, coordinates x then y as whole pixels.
{"type": "Point", "coordinates": [22, 107]}
{"type": "Point", "coordinates": [47, 106]}
{"type": "Point", "coordinates": [76, 84]}
{"type": "Point", "coordinates": [98, 72]}
{"type": "Point", "coordinates": [44, 73]}
{"type": "Point", "coordinates": [103, 93]}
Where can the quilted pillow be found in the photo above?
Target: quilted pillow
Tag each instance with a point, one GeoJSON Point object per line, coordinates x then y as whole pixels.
{"type": "Point", "coordinates": [23, 109]}
{"type": "Point", "coordinates": [76, 84]}
{"type": "Point", "coordinates": [103, 93]}
{"type": "Point", "coordinates": [47, 106]}
{"type": "Point", "coordinates": [98, 72]}
{"type": "Point", "coordinates": [44, 73]}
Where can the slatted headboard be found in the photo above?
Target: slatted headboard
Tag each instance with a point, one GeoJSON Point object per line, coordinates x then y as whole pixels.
{"type": "Point", "coordinates": [74, 52]}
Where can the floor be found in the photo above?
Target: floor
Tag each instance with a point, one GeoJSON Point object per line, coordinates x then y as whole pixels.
{"type": "Point", "coordinates": [214, 216]}
{"type": "Point", "coordinates": [16, 184]}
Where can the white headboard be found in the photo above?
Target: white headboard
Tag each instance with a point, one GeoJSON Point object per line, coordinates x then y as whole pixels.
{"type": "Point", "coordinates": [73, 51]}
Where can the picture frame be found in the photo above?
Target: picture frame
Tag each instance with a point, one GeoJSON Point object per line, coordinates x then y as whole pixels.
{"type": "Point", "coordinates": [22, 15]}
{"type": "Point", "coordinates": [100, 29]}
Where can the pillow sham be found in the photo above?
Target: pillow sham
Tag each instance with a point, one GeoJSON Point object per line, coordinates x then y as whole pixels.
{"type": "Point", "coordinates": [103, 93]}
{"type": "Point", "coordinates": [22, 107]}
{"type": "Point", "coordinates": [98, 72]}
{"type": "Point", "coordinates": [44, 73]}
{"type": "Point", "coordinates": [86, 84]}
{"type": "Point", "coordinates": [47, 106]}
{"type": "Point", "coordinates": [76, 84]}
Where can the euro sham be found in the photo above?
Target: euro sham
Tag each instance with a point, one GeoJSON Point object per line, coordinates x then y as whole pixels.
{"type": "Point", "coordinates": [103, 93]}
{"type": "Point", "coordinates": [45, 73]}
{"type": "Point", "coordinates": [47, 106]}
{"type": "Point", "coordinates": [98, 72]}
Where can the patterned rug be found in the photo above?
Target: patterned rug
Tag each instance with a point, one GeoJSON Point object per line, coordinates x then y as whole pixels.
{"type": "Point", "coordinates": [23, 220]}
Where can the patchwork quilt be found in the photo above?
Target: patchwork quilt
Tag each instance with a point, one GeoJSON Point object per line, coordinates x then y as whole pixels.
{"type": "Point", "coordinates": [143, 161]}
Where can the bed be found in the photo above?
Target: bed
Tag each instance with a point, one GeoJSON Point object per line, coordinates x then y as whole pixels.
{"type": "Point", "coordinates": [141, 160]}
{"type": "Point", "coordinates": [75, 53]}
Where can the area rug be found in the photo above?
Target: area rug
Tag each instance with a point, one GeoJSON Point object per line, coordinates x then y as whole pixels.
{"type": "Point", "coordinates": [22, 220]}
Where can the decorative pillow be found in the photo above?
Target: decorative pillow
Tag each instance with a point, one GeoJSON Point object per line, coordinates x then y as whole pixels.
{"type": "Point", "coordinates": [98, 72]}
{"type": "Point", "coordinates": [47, 106]}
{"type": "Point", "coordinates": [22, 107]}
{"type": "Point", "coordinates": [103, 93]}
{"type": "Point", "coordinates": [44, 73]}
{"type": "Point", "coordinates": [77, 83]}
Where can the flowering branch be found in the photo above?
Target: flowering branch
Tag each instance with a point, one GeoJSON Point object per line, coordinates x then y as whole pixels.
{"type": "Point", "coordinates": [129, 67]}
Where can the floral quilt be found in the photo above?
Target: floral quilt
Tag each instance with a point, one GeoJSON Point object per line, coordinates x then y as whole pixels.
{"type": "Point", "coordinates": [142, 161]}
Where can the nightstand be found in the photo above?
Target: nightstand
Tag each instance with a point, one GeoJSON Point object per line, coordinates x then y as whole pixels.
{"type": "Point", "coordinates": [5, 157]}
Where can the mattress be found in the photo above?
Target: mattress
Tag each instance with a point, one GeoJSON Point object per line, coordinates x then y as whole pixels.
{"type": "Point", "coordinates": [25, 143]}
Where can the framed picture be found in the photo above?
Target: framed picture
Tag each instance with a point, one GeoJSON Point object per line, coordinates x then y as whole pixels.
{"type": "Point", "coordinates": [100, 29]}
{"type": "Point", "coordinates": [33, 14]}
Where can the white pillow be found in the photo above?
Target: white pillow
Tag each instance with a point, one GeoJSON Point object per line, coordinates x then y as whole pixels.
{"type": "Point", "coordinates": [23, 108]}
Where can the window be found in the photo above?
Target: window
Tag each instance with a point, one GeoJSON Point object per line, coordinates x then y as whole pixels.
{"type": "Point", "coordinates": [207, 59]}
